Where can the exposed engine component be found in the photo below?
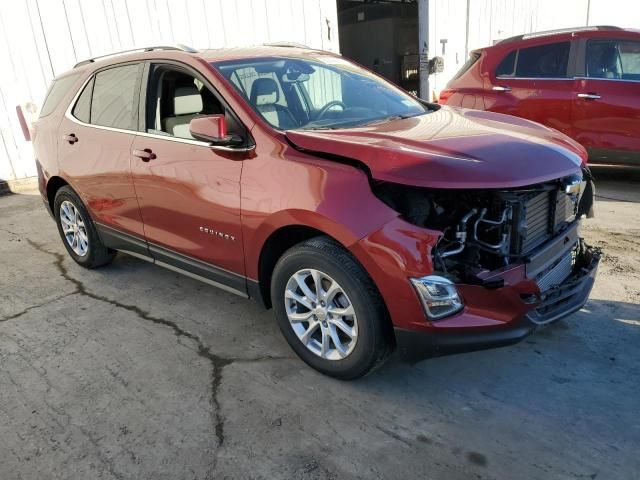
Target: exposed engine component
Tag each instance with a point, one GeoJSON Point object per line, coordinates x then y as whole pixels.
{"type": "Point", "coordinates": [487, 229]}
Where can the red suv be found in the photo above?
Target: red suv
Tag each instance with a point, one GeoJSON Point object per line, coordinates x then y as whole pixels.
{"type": "Point", "coordinates": [367, 219]}
{"type": "Point", "coordinates": [584, 82]}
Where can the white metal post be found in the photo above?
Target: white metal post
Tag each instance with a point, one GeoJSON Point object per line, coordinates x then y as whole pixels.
{"type": "Point", "coordinates": [423, 40]}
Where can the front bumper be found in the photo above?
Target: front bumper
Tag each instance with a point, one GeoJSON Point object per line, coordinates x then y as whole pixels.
{"type": "Point", "coordinates": [553, 304]}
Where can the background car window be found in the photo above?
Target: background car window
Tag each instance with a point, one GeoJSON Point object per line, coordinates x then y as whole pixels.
{"type": "Point", "coordinates": [114, 98]}
{"type": "Point", "coordinates": [58, 89]}
{"type": "Point", "coordinates": [473, 58]}
{"type": "Point", "coordinates": [543, 61]}
{"type": "Point", "coordinates": [507, 65]}
{"type": "Point", "coordinates": [82, 108]}
{"type": "Point", "coordinates": [616, 59]}
{"type": "Point", "coordinates": [629, 59]}
{"type": "Point", "coordinates": [603, 60]}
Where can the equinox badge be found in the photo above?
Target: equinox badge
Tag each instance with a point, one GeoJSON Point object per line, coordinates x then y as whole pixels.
{"type": "Point", "coordinates": [217, 233]}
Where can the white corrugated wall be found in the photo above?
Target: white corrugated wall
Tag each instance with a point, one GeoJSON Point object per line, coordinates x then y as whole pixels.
{"type": "Point", "coordinates": [40, 39]}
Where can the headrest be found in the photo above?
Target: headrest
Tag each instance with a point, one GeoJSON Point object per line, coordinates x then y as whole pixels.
{"type": "Point", "coordinates": [264, 91]}
{"type": "Point", "coordinates": [187, 100]}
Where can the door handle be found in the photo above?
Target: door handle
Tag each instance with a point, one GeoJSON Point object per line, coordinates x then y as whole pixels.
{"type": "Point", "coordinates": [144, 155]}
{"type": "Point", "coordinates": [501, 88]}
{"type": "Point", "coordinates": [71, 138]}
{"type": "Point", "coordinates": [589, 96]}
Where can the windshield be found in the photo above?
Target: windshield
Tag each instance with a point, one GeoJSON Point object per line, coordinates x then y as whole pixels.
{"type": "Point", "coordinates": [323, 92]}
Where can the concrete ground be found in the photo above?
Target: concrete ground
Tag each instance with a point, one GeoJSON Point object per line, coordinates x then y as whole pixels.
{"type": "Point", "coordinates": [134, 372]}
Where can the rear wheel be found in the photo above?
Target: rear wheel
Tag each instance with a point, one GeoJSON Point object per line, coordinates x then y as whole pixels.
{"type": "Point", "coordinates": [78, 233]}
{"type": "Point", "coordinates": [329, 310]}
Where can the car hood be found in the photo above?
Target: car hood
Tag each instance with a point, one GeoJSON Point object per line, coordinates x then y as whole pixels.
{"type": "Point", "coordinates": [452, 148]}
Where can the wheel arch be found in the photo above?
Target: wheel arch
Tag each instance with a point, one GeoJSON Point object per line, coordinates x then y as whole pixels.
{"type": "Point", "coordinates": [54, 184]}
{"type": "Point", "coordinates": [278, 242]}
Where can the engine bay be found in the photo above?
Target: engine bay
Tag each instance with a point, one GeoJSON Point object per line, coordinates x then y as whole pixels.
{"type": "Point", "coordinates": [486, 230]}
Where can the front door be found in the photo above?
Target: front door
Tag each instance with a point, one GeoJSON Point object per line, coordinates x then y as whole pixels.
{"type": "Point", "coordinates": [607, 103]}
{"type": "Point", "coordinates": [188, 192]}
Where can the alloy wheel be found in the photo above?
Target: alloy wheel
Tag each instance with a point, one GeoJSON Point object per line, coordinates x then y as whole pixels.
{"type": "Point", "coordinates": [74, 228]}
{"type": "Point", "coordinates": [321, 314]}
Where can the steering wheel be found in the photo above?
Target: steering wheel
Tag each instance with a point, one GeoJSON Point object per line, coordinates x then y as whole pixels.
{"type": "Point", "coordinates": [327, 107]}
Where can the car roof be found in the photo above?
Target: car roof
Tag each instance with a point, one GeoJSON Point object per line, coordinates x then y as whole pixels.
{"type": "Point", "coordinates": [239, 53]}
{"type": "Point", "coordinates": [560, 31]}
{"type": "Point", "coordinates": [281, 49]}
{"type": "Point", "coordinates": [561, 35]}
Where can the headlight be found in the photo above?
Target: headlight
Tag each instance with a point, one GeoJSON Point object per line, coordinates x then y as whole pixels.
{"type": "Point", "coordinates": [438, 295]}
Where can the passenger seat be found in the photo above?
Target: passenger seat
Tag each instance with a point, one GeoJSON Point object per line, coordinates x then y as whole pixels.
{"type": "Point", "coordinates": [187, 105]}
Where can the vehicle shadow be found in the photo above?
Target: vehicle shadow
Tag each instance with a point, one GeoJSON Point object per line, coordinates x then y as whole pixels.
{"type": "Point", "coordinates": [603, 333]}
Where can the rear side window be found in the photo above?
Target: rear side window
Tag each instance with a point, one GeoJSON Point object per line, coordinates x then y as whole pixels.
{"type": "Point", "coordinates": [473, 58]}
{"type": "Point", "coordinates": [59, 88]}
{"type": "Point", "coordinates": [543, 61]}
{"type": "Point", "coordinates": [114, 101]}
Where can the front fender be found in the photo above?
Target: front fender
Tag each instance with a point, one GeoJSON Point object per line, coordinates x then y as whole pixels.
{"type": "Point", "coordinates": [393, 254]}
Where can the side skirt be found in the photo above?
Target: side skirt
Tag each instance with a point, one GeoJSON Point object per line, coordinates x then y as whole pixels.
{"type": "Point", "coordinates": [191, 267]}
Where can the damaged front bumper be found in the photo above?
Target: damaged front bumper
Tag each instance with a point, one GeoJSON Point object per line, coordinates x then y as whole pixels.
{"type": "Point", "coordinates": [475, 329]}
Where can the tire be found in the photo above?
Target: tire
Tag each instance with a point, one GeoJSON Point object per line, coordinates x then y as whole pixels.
{"type": "Point", "coordinates": [88, 251]}
{"type": "Point", "coordinates": [370, 322]}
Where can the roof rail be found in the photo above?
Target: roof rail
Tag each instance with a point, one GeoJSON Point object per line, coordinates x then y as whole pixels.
{"type": "Point", "coordinates": [177, 47]}
{"type": "Point", "coordinates": [558, 31]}
{"type": "Point", "coordinates": [287, 45]}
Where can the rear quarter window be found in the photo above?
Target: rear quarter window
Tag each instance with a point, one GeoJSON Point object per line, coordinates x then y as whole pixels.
{"type": "Point", "coordinates": [507, 66]}
{"type": "Point", "coordinates": [471, 61]}
{"type": "Point", "coordinates": [59, 88]}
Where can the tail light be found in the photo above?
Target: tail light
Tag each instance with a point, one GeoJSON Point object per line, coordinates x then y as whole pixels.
{"type": "Point", "coordinates": [444, 95]}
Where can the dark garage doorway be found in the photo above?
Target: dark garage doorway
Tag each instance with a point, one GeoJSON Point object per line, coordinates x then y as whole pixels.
{"type": "Point", "coordinates": [382, 36]}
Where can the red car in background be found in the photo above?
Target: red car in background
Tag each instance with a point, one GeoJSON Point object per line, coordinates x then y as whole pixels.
{"type": "Point", "coordinates": [584, 82]}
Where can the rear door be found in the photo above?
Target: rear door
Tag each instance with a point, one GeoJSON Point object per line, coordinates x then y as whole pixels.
{"type": "Point", "coordinates": [94, 148]}
{"type": "Point", "coordinates": [535, 83]}
{"type": "Point", "coordinates": [607, 103]}
{"type": "Point", "coordinates": [188, 191]}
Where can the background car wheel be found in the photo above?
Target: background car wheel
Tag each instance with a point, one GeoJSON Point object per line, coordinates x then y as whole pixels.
{"type": "Point", "coordinates": [329, 310]}
{"type": "Point", "coordinates": [78, 232]}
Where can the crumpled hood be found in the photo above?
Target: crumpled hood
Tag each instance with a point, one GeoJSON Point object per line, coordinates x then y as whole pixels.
{"type": "Point", "coordinates": [453, 148]}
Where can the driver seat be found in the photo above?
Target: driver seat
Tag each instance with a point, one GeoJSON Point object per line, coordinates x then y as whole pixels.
{"type": "Point", "coordinates": [264, 96]}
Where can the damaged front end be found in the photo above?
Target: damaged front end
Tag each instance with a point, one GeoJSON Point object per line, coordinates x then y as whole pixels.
{"type": "Point", "coordinates": [494, 238]}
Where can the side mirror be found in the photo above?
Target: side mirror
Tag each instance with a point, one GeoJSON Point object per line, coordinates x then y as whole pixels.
{"type": "Point", "coordinates": [213, 129]}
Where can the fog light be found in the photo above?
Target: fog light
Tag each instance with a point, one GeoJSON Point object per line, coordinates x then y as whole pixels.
{"type": "Point", "coordinates": [438, 295]}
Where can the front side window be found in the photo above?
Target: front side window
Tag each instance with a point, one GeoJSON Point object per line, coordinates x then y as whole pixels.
{"type": "Point", "coordinates": [319, 92]}
{"type": "Point", "coordinates": [57, 91]}
{"type": "Point", "coordinates": [614, 59]}
{"type": "Point", "coordinates": [175, 97]}
{"type": "Point", "coordinates": [114, 101]}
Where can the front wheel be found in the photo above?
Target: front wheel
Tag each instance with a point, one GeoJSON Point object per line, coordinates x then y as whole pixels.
{"type": "Point", "coordinates": [329, 309]}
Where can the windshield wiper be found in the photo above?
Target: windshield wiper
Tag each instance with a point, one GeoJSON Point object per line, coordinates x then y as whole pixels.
{"type": "Point", "coordinates": [390, 118]}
